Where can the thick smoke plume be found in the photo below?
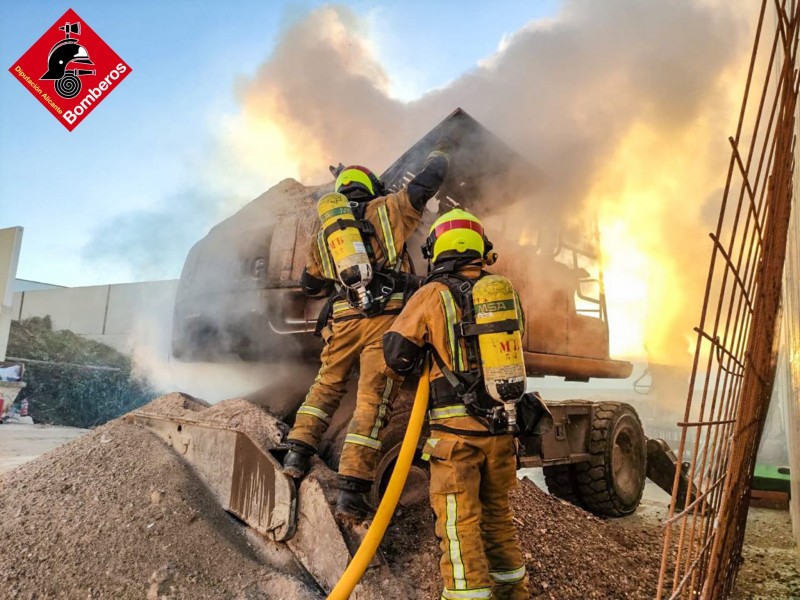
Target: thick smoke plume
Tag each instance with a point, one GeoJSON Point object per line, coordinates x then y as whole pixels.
{"type": "Point", "coordinates": [624, 106]}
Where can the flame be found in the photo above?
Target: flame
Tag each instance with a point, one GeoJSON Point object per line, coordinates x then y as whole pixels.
{"type": "Point", "coordinates": [650, 199]}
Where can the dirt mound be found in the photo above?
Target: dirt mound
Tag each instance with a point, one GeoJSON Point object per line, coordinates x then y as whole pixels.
{"type": "Point", "coordinates": [569, 554]}
{"type": "Point", "coordinates": [116, 514]}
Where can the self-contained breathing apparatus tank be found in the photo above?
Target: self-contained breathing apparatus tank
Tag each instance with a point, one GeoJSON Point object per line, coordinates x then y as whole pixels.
{"type": "Point", "coordinates": [346, 246]}
{"type": "Point", "coordinates": [497, 320]}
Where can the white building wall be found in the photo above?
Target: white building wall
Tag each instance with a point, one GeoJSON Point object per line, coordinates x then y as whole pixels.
{"type": "Point", "coordinates": [26, 285]}
{"type": "Point", "coordinates": [111, 314]}
{"type": "Point", "coordinates": [10, 242]}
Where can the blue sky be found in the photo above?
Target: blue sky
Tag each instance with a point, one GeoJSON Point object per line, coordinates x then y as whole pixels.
{"type": "Point", "coordinates": [140, 149]}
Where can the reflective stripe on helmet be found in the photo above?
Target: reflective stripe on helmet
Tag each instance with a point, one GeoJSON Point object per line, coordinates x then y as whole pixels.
{"type": "Point", "coordinates": [456, 231]}
{"type": "Point", "coordinates": [458, 224]}
{"type": "Point", "coordinates": [355, 174]}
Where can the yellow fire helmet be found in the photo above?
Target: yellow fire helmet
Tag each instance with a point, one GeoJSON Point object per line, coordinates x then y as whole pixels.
{"type": "Point", "coordinates": [455, 234]}
{"type": "Point", "coordinates": [358, 183]}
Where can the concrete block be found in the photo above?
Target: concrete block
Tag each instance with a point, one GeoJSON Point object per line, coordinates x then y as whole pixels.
{"type": "Point", "coordinates": [81, 310]}
{"type": "Point", "coordinates": [133, 304]}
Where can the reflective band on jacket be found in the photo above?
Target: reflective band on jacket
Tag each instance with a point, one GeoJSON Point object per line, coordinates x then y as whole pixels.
{"type": "Point", "coordinates": [508, 576]}
{"type": "Point", "coordinates": [387, 392]}
{"type": "Point", "coordinates": [325, 257]}
{"type": "Point", "coordinates": [388, 235]}
{"type": "Point", "coordinates": [305, 409]}
{"type": "Point", "coordinates": [341, 306]}
{"type": "Point", "coordinates": [454, 546]}
{"type": "Point", "coordinates": [450, 317]}
{"type": "Point", "coordinates": [448, 412]}
{"type": "Point", "coordinates": [474, 593]}
{"type": "Point", "coordinates": [362, 440]}
{"type": "Point", "coordinates": [432, 443]}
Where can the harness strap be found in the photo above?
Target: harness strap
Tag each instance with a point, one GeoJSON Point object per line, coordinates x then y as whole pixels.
{"type": "Point", "coordinates": [453, 379]}
{"type": "Point", "coordinates": [473, 329]}
{"type": "Point", "coordinates": [487, 433]}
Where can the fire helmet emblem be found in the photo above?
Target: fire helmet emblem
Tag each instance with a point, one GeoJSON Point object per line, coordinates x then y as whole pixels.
{"type": "Point", "coordinates": [64, 53]}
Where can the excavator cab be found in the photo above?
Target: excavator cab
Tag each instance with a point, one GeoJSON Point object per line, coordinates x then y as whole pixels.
{"type": "Point", "coordinates": [239, 291]}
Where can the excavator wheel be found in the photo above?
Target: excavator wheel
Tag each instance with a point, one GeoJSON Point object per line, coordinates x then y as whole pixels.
{"type": "Point", "coordinates": [560, 480]}
{"type": "Point", "coordinates": [611, 482]}
{"type": "Point", "coordinates": [416, 488]}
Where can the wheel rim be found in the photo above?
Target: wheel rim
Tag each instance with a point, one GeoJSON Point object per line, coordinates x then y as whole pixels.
{"type": "Point", "coordinates": [416, 487]}
{"type": "Point", "coordinates": [626, 461]}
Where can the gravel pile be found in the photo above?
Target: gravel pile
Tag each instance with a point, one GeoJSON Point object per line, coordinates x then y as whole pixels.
{"type": "Point", "coordinates": [116, 514]}
{"type": "Point", "coordinates": [569, 553]}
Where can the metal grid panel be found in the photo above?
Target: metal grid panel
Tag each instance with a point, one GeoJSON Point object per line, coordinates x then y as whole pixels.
{"type": "Point", "coordinates": [735, 356]}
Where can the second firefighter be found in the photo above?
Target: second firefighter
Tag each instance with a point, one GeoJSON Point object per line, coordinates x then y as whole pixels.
{"type": "Point", "coordinates": [471, 448]}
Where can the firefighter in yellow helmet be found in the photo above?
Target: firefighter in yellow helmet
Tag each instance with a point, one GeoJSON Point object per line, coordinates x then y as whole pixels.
{"type": "Point", "coordinates": [352, 325]}
{"type": "Point", "coordinates": [471, 448]}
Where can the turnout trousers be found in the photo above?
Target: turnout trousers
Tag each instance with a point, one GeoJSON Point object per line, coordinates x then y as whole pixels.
{"type": "Point", "coordinates": [470, 480]}
{"type": "Point", "coordinates": [347, 344]}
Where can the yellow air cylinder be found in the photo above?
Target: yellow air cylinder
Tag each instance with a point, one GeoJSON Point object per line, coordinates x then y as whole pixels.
{"type": "Point", "coordinates": [502, 362]}
{"type": "Point", "coordinates": [345, 244]}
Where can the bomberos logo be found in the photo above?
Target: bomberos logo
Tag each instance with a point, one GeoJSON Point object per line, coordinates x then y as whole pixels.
{"type": "Point", "coordinates": [70, 70]}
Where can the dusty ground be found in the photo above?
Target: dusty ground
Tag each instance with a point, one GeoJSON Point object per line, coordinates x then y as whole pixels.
{"type": "Point", "coordinates": [115, 514]}
{"type": "Point", "coordinates": [21, 443]}
{"type": "Point", "coordinates": [771, 567]}
{"type": "Point", "coordinates": [569, 554]}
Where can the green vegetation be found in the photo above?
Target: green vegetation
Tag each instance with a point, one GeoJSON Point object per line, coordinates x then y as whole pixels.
{"type": "Point", "coordinates": [64, 390]}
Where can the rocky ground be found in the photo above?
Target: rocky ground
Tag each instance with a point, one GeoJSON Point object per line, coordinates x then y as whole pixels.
{"type": "Point", "coordinates": [569, 554]}
{"type": "Point", "coordinates": [116, 514]}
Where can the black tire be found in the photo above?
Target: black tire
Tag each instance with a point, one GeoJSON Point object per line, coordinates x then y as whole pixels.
{"type": "Point", "coordinates": [560, 480]}
{"type": "Point", "coordinates": [611, 483]}
{"type": "Point", "coordinates": [416, 488]}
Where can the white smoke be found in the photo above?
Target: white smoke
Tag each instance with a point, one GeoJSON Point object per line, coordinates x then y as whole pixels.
{"type": "Point", "coordinates": [623, 105]}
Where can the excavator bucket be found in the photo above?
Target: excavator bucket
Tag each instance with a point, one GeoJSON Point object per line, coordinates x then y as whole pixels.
{"type": "Point", "coordinates": [245, 476]}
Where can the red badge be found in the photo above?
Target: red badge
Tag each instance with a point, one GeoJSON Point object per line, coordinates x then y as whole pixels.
{"type": "Point", "coordinates": [70, 70]}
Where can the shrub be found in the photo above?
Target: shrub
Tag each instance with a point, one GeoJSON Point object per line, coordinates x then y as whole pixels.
{"type": "Point", "coordinates": [67, 390]}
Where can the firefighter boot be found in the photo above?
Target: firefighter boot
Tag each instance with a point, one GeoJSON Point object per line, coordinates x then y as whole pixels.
{"type": "Point", "coordinates": [297, 460]}
{"type": "Point", "coordinates": [352, 501]}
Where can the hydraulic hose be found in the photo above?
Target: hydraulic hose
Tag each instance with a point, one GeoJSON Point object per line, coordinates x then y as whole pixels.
{"type": "Point", "coordinates": [355, 570]}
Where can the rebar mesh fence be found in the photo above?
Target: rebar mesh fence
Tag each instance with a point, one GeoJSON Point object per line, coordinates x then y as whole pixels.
{"type": "Point", "coordinates": [736, 349]}
{"type": "Point", "coordinates": [787, 381]}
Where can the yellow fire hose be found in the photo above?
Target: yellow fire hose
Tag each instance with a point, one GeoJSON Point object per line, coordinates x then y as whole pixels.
{"type": "Point", "coordinates": [355, 570]}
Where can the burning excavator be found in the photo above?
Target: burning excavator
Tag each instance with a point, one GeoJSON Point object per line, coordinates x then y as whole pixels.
{"type": "Point", "coordinates": [239, 294]}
